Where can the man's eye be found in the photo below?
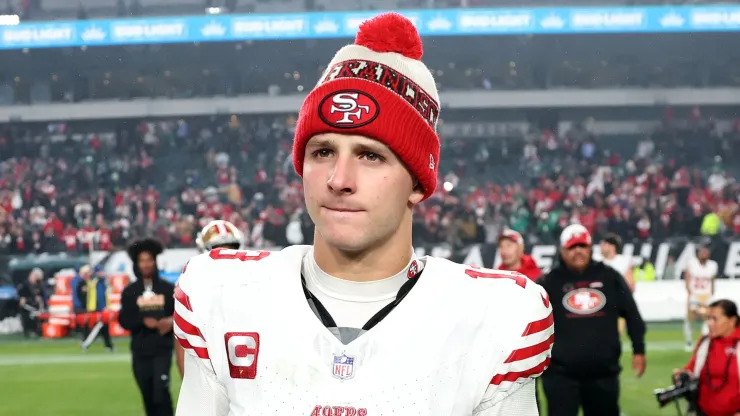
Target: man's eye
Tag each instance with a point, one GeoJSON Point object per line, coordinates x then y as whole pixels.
{"type": "Point", "coordinates": [322, 153]}
{"type": "Point", "coordinates": [373, 157]}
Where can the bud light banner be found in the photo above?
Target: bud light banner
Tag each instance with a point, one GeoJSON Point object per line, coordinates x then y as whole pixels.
{"type": "Point", "coordinates": [443, 22]}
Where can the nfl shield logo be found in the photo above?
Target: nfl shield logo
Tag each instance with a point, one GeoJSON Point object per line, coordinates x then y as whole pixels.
{"type": "Point", "coordinates": [344, 367]}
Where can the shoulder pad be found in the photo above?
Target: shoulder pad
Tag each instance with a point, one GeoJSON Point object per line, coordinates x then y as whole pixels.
{"type": "Point", "coordinates": [482, 273]}
{"type": "Point", "coordinates": [219, 266]}
{"type": "Point", "coordinates": [503, 284]}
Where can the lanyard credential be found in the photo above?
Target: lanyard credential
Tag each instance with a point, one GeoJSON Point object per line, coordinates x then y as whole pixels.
{"type": "Point", "coordinates": [413, 273]}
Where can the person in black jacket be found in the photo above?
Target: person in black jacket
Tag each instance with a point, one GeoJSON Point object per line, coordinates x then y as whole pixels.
{"type": "Point", "coordinates": [32, 300]}
{"type": "Point", "coordinates": [588, 297]}
{"type": "Point", "coordinates": [147, 306]}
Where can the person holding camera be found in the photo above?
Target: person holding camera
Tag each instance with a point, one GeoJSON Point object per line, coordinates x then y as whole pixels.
{"type": "Point", "coordinates": [716, 362]}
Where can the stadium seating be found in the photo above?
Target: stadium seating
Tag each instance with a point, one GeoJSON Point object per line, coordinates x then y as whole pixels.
{"type": "Point", "coordinates": [65, 186]}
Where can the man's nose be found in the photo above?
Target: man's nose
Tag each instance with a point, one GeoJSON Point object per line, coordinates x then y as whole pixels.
{"type": "Point", "coordinates": [343, 176]}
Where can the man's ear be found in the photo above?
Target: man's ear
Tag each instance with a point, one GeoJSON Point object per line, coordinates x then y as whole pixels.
{"type": "Point", "coordinates": [417, 195]}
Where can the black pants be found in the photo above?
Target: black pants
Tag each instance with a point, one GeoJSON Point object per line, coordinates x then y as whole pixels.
{"type": "Point", "coordinates": [152, 374]}
{"type": "Point", "coordinates": [565, 395]}
{"type": "Point", "coordinates": [31, 325]}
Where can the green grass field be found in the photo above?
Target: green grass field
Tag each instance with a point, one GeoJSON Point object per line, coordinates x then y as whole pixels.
{"type": "Point", "coordinates": [54, 378]}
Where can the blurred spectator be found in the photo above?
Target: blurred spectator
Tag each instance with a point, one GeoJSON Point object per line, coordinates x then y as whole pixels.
{"type": "Point", "coordinates": [32, 301]}
{"type": "Point", "coordinates": [89, 295]}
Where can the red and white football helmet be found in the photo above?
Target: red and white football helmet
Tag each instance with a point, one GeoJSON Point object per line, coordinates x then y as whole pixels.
{"type": "Point", "coordinates": [220, 233]}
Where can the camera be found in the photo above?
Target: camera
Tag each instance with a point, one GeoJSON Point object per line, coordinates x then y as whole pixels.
{"type": "Point", "coordinates": [685, 386]}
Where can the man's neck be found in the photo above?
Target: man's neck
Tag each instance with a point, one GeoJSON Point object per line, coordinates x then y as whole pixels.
{"type": "Point", "coordinates": [371, 265]}
{"type": "Point", "coordinates": [611, 256]}
{"type": "Point", "coordinates": [147, 281]}
{"type": "Point", "coordinates": [514, 266]}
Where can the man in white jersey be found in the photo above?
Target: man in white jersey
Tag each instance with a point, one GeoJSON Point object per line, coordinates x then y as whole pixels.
{"type": "Point", "coordinates": [699, 275]}
{"type": "Point", "coordinates": [355, 325]}
{"type": "Point", "coordinates": [216, 234]}
{"type": "Point", "coordinates": [610, 246]}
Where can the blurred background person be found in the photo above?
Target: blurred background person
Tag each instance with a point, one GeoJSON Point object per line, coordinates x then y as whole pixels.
{"type": "Point", "coordinates": [147, 306]}
{"type": "Point", "coordinates": [700, 274]}
{"type": "Point", "coordinates": [716, 362]}
{"type": "Point", "coordinates": [511, 250]}
{"type": "Point", "coordinates": [217, 234]}
{"type": "Point", "coordinates": [32, 301]}
{"type": "Point", "coordinates": [610, 247]}
{"type": "Point", "coordinates": [90, 295]}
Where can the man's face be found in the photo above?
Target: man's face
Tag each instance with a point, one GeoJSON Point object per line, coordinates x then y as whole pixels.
{"type": "Point", "coordinates": [577, 257]}
{"type": "Point", "coordinates": [510, 251]}
{"type": "Point", "coordinates": [146, 264]}
{"type": "Point", "coordinates": [607, 250]}
{"type": "Point", "coordinates": [357, 191]}
{"type": "Point", "coordinates": [703, 254]}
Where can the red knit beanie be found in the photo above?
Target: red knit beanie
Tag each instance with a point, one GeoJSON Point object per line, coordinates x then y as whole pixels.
{"type": "Point", "coordinates": [378, 88]}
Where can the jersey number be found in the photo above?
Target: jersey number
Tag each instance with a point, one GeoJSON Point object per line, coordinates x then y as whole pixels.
{"type": "Point", "coordinates": [243, 255]}
{"type": "Point", "coordinates": [701, 284]}
{"type": "Point", "coordinates": [478, 273]}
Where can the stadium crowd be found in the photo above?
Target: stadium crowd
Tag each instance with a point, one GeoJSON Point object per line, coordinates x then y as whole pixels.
{"type": "Point", "coordinates": [64, 187]}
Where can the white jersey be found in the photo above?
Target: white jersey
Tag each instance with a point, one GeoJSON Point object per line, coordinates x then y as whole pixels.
{"type": "Point", "coordinates": [462, 342]}
{"type": "Point", "coordinates": [700, 282]}
{"type": "Point", "coordinates": [619, 263]}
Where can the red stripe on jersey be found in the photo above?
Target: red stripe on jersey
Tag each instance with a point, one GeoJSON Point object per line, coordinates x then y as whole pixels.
{"type": "Point", "coordinates": [538, 326]}
{"type": "Point", "coordinates": [531, 351]}
{"type": "Point", "coordinates": [182, 297]}
{"type": "Point", "coordinates": [186, 326]}
{"type": "Point", "coordinates": [199, 351]}
{"type": "Point", "coordinates": [516, 375]}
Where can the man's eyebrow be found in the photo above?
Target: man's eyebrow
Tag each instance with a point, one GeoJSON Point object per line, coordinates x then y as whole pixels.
{"type": "Point", "coordinates": [320, 143]}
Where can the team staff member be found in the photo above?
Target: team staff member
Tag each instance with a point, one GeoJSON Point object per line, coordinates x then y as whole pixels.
{"type": "Point", "coordinates": [147, 306]}
{"type": "Point", "coordinates": [511, 250]}
{"type": "Point", "coordinates": [716, 362]}
{"type": "Point", "coordinates": [587, 298]}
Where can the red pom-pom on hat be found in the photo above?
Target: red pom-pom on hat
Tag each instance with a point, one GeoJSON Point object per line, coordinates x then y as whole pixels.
{"type": "Point", "coordinates": [390, 32]}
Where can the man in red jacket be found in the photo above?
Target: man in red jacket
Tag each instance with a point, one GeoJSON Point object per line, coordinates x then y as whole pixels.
{"type": "Point", "coordinates": [511, 250]}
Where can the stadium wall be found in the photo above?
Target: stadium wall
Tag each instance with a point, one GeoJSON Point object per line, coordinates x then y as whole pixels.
{"type": "Point", "coordinates": [661, 300]}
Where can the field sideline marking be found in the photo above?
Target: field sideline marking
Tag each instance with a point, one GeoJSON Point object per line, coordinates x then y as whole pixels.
{"type": "Point", "coordinates": [44, 359]}
{"type": "Point", "coordinates": [81, 358]}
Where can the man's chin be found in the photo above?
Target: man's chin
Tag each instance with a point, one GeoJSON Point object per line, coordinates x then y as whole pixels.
{"type": "Point", "coordinates": [342, 239]}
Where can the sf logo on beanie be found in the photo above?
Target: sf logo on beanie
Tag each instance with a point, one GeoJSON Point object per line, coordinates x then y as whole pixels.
{"type": "Point", "coordinates": [348, 109]}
